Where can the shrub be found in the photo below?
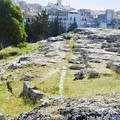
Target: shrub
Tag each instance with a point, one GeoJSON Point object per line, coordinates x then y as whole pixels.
{"type": "Point", "coordinates": [22, 45]}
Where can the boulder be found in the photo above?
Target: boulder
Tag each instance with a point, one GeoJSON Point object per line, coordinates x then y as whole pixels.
{"type": "Point", "coordinates": [114, 65]}
{"type": "Point", "coordinates": [73, 67]}
{"type": "Point", "coordinates": [55, 39]}
{"type": "Point", "coordinates": [79, 75]}
{"type": "Point", "coordinates": [47, 48]}
{"type": "Point", "coordinates": [106, 45]}
{"type": "Point", "coordinates": [3, 116]}
{"type": "Point", "coordinates": [30, 92]}
{"type": "Point", "coordinates": [13, 66]}
{"type": "Point", "coordinates": [112, 38]}
{"type": "Point", "coordinates": [24, 58]}
{"type": "Point", "coordinates": [93, 74]}
{"type": "Point", "coordinates": [112, 49]}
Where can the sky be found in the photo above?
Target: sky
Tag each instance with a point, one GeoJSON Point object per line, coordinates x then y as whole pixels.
{"type": "Point", "coordinates": [85, 4]}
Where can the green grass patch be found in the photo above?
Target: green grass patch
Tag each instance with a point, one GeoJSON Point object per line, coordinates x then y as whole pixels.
{"type": "Point", "coordinates": [10, 52]}
{"type": "Point", "coordinates": [50, 85]}
{"type": "Point", "coordinates": [10, 104]}
{"type": "Point", "coordinates": [90, 87]}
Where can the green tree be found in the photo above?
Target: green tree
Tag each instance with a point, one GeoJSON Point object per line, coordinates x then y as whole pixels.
{"type": "Point", "coordinates": [11, 24]}
{"type": "Point", "coordinates": [40, 26]}
{"type": "Point", "coordinates": [56, 27]}
{"type": "Point", "coordinates": [28, 31]}
{"type": "Point", "coordinates": [73, 25]}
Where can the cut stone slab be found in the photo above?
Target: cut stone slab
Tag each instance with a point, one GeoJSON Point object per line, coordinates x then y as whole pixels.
{"type": "Point", "coordinates": [30, 92]}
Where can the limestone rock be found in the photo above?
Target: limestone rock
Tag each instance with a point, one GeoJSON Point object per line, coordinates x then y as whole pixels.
{"type": "Point", "coordinates": [79, 75]}
{"type": "Point", "coordinates": [55, 39]}
{"type": "Point", "coordinates": [114, 65]}
{"type": "Point", "coordinates": [30, 92]}
{"type": "Point", "coordinates": [93, 74]}
{"type": "Point", "coordinates": [74, 67]}
{"type": "Point", "coordinates": [13, 67]}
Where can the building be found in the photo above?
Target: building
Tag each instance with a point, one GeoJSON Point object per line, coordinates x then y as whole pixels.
{"type": "Point", "coordinates": [109, 16]}
{"type": "Point", "coordinates": [59, 3]}
{"type": "Point", "coordinates": [59, 11]}
{"type": "Point", "coordinates": [67, 15]}
{"type": "Point", "coordinates": [86, 18]}
{"type": "Point", "coordinates": [73, 16]}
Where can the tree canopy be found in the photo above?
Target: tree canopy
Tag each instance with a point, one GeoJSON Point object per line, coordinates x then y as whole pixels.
{"type": "Point", "coordinates": [40, 26]}
{"type": "Point", "coordinates": [73, 25]}
{"type": "Point", "coordinates": [11, 24]}
{"type": "Point", "coordinates": [56, 27]}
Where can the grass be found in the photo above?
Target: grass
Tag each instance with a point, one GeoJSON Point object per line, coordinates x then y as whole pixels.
{"type": "Point", "coordinates": [11, 52]}
{"type": "Point", "coordinates": [70, 43]}
{"type": "Point", "coordinates": [50, 85]}
{"type": "Point", "coordinates": [10, 104]}
{"type": "Point", "coordinates": [89, 88]}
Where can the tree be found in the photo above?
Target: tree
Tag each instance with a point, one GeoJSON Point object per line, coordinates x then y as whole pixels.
{"type": "Point", "coordinates": [73, 25]}
{"type": "Point", "coordinates": [56, 27]}
{"type": "Point", "coordinates": [11, 24]}
{"type": "Point", "coordinates": [28, 31]}
{"type": "Point", "coordinates": [40, 25]}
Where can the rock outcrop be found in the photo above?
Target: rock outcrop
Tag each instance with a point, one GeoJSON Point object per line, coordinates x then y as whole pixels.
{"type": "Point", "coordinates": [30, 92]}
{"type": "Point", "coordinates": [114, 65]}
{"type": "Point", "coordinates": [75, 109]}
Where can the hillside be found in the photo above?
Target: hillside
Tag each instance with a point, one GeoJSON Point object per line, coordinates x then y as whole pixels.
{"type": "Point", "coordinates": [77, 74]}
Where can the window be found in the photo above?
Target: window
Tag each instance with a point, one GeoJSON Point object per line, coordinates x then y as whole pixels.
{"type": "Point", "coordinates": [70, 18]}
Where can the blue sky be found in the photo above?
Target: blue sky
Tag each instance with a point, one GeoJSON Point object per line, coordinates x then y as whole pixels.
{"type": "Point", "coordinates": [88, 4]}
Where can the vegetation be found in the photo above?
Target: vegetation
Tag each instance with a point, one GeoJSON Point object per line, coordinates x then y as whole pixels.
{"type": "Point", "coordinates": [11, 24]}
{"type": "Point", "coordinates": [40, 26]}
{"type": "Point", "coordinates": [7, 99]}
{"type": "Point", "coordinates": [11, 52]}
{"type": "Point", "coordinates": [90, 88]}
{"type": "Point", "coordinates": [50, 85]}
{"type": "Point", "coordinates": [56, 27]}
{"type": "Point", "coordinates": [72, 25]}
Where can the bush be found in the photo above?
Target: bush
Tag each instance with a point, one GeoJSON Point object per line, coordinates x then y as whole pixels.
{"type": "Point", "coordinates": [22, 45]}
{"type": "Point", "coordinates": [3, 56]}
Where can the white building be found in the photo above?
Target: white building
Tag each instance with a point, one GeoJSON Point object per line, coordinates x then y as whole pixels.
{"type": "Point", "coordinates": [86, 19]}
{"type": "Point", "coordinates": [103, 25]}
{"type": "Point", "coordinates": [73, 16]}
{"type": "Point", "coordinates": [59, 3]}
{"type": "Point", "coordinates": [109, 16]}
{"type": "Point", "coordinates": [58, 11]}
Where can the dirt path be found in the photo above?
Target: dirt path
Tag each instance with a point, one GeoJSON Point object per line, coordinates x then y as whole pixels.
{"type": "Point", "coordinates": [61, 85]}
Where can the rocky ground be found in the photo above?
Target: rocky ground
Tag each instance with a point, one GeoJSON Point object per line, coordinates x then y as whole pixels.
{"type": "Point", "coordinates": [108, 108]}
{"type": "Point", "coordinates": [89, 54]}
